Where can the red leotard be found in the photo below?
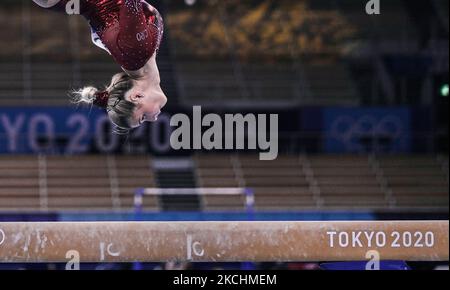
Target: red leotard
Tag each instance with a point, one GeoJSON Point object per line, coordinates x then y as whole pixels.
{"type": "Point", "coordinates": [130, 29]}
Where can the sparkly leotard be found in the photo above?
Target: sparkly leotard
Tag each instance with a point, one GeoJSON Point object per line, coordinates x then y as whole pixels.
{"type": "Point", "coordinates": [131, 30]}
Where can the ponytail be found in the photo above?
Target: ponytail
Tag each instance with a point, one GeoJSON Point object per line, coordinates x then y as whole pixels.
{"type": "Point", "coordinates": [120, 110]}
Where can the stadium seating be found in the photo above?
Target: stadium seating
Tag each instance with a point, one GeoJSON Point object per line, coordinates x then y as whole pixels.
{"type": "Point", "coordinates": [290, 183]}
{"type": "Point", "coordinates": [48, 183]}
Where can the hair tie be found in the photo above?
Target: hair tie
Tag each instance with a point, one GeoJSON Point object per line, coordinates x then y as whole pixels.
{"type": "Point", "coordinates": [101, 99]}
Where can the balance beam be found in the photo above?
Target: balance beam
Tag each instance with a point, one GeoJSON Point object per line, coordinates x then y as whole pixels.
{"type": "Point", "coordinates": [38, 242]}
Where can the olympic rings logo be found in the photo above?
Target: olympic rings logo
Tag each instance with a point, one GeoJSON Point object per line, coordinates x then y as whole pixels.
{"type": "Point", "coordinates": [347, 130]}
{"type": "Point", "coordinates": [2, 237]}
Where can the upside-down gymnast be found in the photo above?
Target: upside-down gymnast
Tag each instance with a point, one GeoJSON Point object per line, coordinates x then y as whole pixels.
{"type": "Point", "coordinates": [131, 32]}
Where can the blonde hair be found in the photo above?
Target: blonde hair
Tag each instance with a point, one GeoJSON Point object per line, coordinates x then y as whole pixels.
{"type": "Point", "coordinates": [120, 110]}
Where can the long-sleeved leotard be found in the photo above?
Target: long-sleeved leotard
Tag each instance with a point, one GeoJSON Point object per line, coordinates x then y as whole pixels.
{"type": "Point", "coordinates": [131, 30]}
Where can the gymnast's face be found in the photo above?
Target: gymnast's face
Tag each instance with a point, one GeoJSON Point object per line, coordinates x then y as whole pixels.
{"type": "Point", "coordinates": [149, 102]}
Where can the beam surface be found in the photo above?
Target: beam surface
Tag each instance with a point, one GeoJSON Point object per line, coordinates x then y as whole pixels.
{"type": "Point", "coordinates": [223, 241]}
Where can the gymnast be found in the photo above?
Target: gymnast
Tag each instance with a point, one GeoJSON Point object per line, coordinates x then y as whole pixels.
{"type": "Point", "coordinates": [131, 32]}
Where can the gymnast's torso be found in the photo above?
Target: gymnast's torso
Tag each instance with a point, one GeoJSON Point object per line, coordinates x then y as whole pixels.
{"type": "Point", "coordinates": [130, 30]}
